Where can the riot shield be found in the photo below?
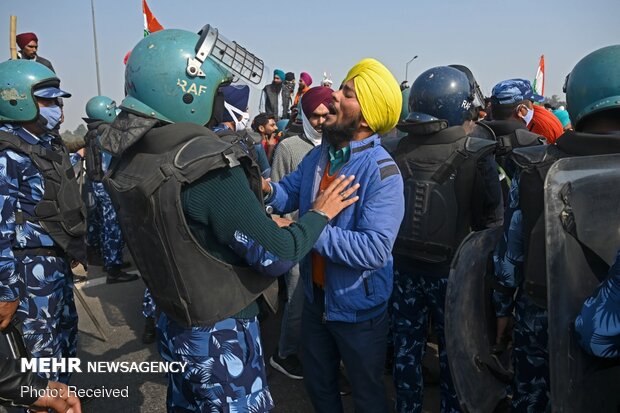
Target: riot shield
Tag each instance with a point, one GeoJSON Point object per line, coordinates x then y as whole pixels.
{"type": "Point", "coordinates": [479, 378]}
{"type": "Point", "coordinates": [582, 221]}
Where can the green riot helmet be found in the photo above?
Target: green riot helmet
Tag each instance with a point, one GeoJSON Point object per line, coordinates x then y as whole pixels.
{"type": "Point", "coordinates": [18, 80]}
{"type": "Point", "coordinates": [101, 108]}
{"type": "Point", "coordinates": [173, 75]}
{"type": "Point", "coordinates": [594, 84]}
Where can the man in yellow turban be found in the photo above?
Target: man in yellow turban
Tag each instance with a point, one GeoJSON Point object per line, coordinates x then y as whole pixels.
{"type": "Point", "coordinates": [348, 277]}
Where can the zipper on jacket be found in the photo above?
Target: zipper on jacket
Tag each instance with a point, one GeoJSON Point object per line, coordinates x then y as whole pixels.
{"type": "Point", "coordinates": [324, 318]}
{"type": "Point", "coordinates": [366, 287]}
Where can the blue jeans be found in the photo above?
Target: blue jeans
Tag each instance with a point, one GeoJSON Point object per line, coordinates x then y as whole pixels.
{"type": "Point", "coordinates": [361, 346]}
{"type": "Point", "coordinates": [291, 318]}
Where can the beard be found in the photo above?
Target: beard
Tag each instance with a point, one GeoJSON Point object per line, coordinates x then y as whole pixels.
{"type": "Point", "coordinates": [277, 86]}
{"type": "Point", "coordinates": [337, 135]}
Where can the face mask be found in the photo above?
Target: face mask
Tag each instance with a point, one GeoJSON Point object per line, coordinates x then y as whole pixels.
{"type": "Point", "coordinates": [240, 124]}
{"type": "Point", "coordinates": [312, 134]}
{"type": "Point", "coordinates": [528, 116]}
{"type": "Point", "coordinates": [52, 115]}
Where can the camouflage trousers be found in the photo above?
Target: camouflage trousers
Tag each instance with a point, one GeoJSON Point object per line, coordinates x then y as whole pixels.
{"type": "Point", "coordinates": [47, 309]}
{"type": "Point", "coordinates": [149, 309]}
{"type": "Point", "coordinates": [104, 230]}
{"type": "Point", "coordinates": [225, 370]}
{"type": "Point", "coordinates": [416, 298]}
{"type": "Point", "coordinates": [530, 357]}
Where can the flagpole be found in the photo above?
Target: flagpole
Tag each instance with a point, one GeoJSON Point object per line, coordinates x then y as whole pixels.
{"type": "Point", "coordinates": [92, 7]}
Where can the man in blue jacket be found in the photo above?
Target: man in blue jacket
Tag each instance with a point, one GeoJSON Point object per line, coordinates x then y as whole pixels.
{"type": "Point", "coordinates": [348, 276]}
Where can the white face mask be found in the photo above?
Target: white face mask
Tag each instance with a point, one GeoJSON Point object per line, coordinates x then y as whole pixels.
{"type": "Point", "coordinates": [528, 116]}
{"type": "Point", "coordinates": [312, 134]}
{"type": "Point", "coordinates": [240, 124]}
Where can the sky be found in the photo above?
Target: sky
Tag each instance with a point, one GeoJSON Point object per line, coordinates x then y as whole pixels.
{"type": "Point", "coordinates": [496, 39]}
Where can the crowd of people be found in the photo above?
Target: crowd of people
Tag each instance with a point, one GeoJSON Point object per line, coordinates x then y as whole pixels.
{"type": "Point", "coordinates": [354, 202]}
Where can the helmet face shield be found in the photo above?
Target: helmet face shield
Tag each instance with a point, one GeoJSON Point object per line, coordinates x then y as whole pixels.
{"type": "Point", "coordinates": [230, 55]}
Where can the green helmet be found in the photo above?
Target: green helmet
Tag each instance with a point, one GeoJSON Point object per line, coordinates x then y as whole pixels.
{"type": "Point", "coordinates": [594, 84]}
{"type": "Point", "coordinates": [174, 75]}
{"type": "Point", "coordinates": [101, 108]}
{"type": "Point", "coordinates": [18, 79]}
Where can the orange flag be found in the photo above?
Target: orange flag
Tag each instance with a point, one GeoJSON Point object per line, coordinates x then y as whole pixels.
{"type": "Point", "coordinates": [150, 22]}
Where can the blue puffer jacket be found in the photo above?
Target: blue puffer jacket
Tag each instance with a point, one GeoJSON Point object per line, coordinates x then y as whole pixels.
{"type": "Point", "coordinates": [357, 244]}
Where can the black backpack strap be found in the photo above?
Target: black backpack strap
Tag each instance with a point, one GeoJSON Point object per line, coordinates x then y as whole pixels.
{"type": "Point", "coordinates": [450, 166]}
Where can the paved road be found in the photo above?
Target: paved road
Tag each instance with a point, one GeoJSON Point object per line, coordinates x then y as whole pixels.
{"type": "Point", "coordinates": [118, 309]}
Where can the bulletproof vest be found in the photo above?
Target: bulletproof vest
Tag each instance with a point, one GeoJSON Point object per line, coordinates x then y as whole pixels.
{"type": "Point", "coordinates": [188, 283]}
{"type": "Point", "coordinates": [60, 211]}
{"type": "Point", "coordinates": [94, 159]}
{"type": "Point", "coordinates": [242, 139]}
{"type": "Point", "coordinates": [439, 172]}
{"type": "Point", "coordinates": [510, 135]}
{"type": "Point", "coordinates": [534, 163]}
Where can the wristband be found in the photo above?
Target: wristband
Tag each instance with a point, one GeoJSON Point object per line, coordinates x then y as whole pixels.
{"type": "Point", "coordinates": [321, 213]}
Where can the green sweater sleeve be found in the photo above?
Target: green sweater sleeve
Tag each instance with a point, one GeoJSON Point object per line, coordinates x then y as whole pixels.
{"type": "Point", "coordinates": [223, 201]}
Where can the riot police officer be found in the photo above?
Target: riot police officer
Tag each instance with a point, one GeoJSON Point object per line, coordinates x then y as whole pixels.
{"type": "Point", "coordinates": [190, 206]}
{"type": "Point", "coordinates": [592, 97]}
{"type": "Point", "coordinates": [101, 111]}
{"type": "Point", "coordinates": [42, 220]}
{"type": "Point", "coordinates": [451, 187]}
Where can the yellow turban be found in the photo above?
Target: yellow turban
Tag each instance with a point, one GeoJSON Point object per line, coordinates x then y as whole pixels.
{"type": "Point", "coordinates": [378, 93]}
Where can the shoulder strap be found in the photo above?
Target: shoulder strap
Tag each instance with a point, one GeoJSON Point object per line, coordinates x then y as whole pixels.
{"type": "Point", "coordinates": [14, 142]}
{"type": "Point", "coordinates": [471, 147]}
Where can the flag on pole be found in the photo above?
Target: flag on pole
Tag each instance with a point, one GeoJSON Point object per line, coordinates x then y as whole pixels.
{"type": "Point", "coordinates": [539, 82]}
{"type": "Point", "coordinates": [150, 22]}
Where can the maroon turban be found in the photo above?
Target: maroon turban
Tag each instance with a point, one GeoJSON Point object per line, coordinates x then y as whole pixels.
{"type": "Point", "coordinates": [306, 78]}
{"type": "Point", "coordinates": [23, 39]}
{"type": "Point", "coordinates": [314, 97]}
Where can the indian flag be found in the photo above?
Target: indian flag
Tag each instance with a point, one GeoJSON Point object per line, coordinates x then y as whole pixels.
{"type": "Point", "coordinates": [539, 82]}
{"type": "Point", "coordinates": [150, 22]}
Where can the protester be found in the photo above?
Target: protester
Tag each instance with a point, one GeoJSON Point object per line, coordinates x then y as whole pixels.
{"type": "Point", "coordinates": [348, 277]}
{"type": "Point", "coordinates": [305, 81]}
{"type": "Point", "coordinates": [266, 126]}
{"type": "Point", "coordinates": [564, 118]}
{"type": "Point", "coordinates": [28, 44]}
{"type": "Point", "coordinates": [286, 158]}
{"type": "Point", "coordinates": [288, 89]}
{"type": "Point", "coordinates": [271, 98]}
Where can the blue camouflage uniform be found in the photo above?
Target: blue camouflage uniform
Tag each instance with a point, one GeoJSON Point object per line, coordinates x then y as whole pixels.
{"type": "Point", "coordinates": [225, 370]}
{"type": "Point", "coordinates": [530, 352]}
{"type": "Point", "coordinates": [417, 297]}
{"type": "Point", "coordinates": [43, 284]}
{"type": "Point", "coordinates": [105, 227]}
{"type": "Point", "coordinates": [149, 309]}
{"type": "Point", "coordinates": [598, 324]}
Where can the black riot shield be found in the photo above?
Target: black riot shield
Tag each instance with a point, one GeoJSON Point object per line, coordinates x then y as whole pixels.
{"type": "Point", "coordinates": [582, 221]}
{"type": "Point", "coordinates": [479, 378]}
